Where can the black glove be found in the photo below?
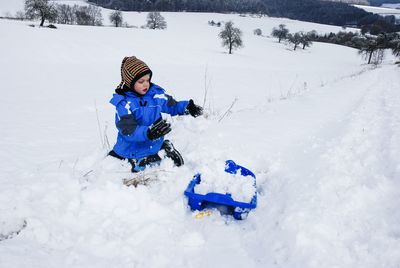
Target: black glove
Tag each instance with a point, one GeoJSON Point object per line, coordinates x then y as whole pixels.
{"type": "Point", "coordinates": [193, 109]}
{"type": "Point", "coordinates": [158, 129]}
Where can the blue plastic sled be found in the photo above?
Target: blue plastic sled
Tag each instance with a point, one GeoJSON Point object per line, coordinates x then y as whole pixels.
{"type": "Point", "coordinates": [239, 210]}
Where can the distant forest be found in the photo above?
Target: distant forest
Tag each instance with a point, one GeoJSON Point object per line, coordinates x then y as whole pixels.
{"type": "Point", "coordinates": [334, 13]}
{"type": "Point", "coordinates": [222, 6]}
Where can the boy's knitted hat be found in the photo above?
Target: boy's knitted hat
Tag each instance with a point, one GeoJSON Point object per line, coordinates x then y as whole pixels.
{"type": "Point", "coordinates": [132, 69]}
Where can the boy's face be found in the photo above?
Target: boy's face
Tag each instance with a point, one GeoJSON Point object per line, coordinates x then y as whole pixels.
{"type": "Point", "coordinates": [142, 85]}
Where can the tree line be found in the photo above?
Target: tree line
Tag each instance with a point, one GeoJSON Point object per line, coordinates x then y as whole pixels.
{"type": "Point", "coordinates": [296, 39]}
{"type": "Point", "coordinates": [63, 14]}
{"type": "Point", "coordinates": [250, 6]}
{"type": "Point", "coordinates": [325, 12]}
{"type": "Point", "coordinates": [80, 15]}
{"type": "Point", "coordinates": [369, 46]}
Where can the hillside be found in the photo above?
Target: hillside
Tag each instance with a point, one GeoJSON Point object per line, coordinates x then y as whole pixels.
{"type": "Point", "coordinates": [383, 11]}
{"type": "Point", "coordinates": [318, 127]}
{"type": "Point", "coordinates": [352, 2]}
{"type": "Point", "coordinates": [337, 13]}
{"type": "Point", "coordinates": [325, 12]}
{"type": "Point", "coordinates": [381, 2]}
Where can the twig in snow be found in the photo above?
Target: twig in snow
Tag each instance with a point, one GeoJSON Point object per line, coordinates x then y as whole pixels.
{"type": "Point", "coordinates": [87, 173]}
{"type": "Point", "coordinates": [206, 85]}
{"type": "Point", "coordinates": [73, 168]}
{"type": "Point", "coordinates": [229, 109]}
{"type": "Point", "coordinates": [106, 143]}
{"type": "Point", "coordinates": [13, 233]}
{"type": "Point", "coordinates": [98, 123]}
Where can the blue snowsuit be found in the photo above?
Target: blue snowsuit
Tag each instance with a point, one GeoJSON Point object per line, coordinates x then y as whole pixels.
{"type": "Point", "coordinates": [135, 113]}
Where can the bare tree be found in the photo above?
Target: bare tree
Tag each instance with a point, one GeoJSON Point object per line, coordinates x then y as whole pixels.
{"type": "Point", "coordinates": [369, 48]}
{"type": "Point", "coordinates": [82, 16]}
{"type": "Point", "coordinates": [294, 39]}
{"type": "Point", "coordinates": [88, 15]}
{"type": "Point", "coordinates": [305, 39]}
{"type": "Point", "coordinates": [378, 56]}
{"type": "Point", "coordinates": [231, 37]}
{"type": "Point", "coordinates": [281, 32]}
{"type": "Point", "coordinates": [395, 47]}
{"type": "Point", "coordinates": [95, 15]}
{"type": "Point", "coordinates": [374, 48]}
{"type": "Point", "coordinates": [116, 18]}
{"type": "Point", "coordinates": [40, 9]}
{"type": "Point", "coordinates": [156, 21]}
{"type": "Point", "coordinates": [65, 14]}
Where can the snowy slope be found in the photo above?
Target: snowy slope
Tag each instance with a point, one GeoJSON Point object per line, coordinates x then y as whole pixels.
{"type": "Point", "coordinates": [319, 128]}
{"type": "Point", "coordinates": [395, 6]}
{"type": "Point", "coordinates": [384, 10]}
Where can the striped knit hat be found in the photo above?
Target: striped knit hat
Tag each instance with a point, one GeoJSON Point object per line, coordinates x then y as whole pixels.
{"type": "Point", "coordinates": [132, 69]}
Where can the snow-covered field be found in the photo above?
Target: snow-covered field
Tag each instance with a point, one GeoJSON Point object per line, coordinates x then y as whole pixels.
{"type": "Point", "coordinates": [319, 128]}
{"type": "Point", "coordinates": [395, 6]}
{"type": "Point", "coordinates": [385, 10]}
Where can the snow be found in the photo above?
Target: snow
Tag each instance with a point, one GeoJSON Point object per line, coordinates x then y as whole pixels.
{"type": "Point", "coordinates": [318, 127]}
{"type": "Point", "coordinates": [385, 10]}
{"type": "Point", "coordinates": [214, 179]}
{"type": "Point", "coordinates": [394, 6]}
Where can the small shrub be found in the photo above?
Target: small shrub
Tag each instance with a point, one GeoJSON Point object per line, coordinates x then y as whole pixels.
{"type": "Point", "coordinates": [257, 32]}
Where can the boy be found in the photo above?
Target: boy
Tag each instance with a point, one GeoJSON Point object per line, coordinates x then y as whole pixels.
{"type": "Point", "coordinates": [141, 128]}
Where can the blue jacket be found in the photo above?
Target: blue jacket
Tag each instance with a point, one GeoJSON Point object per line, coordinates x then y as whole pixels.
{"type": "Point", "coordinates": [134, 115]}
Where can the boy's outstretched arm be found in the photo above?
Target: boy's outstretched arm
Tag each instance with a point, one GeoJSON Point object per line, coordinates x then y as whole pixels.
{"type": "Point", "coordinates": [173, 107]}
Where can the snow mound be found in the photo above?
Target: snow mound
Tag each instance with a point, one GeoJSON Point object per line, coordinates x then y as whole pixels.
{"type": "Point", "coordinates": [214, 179]}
